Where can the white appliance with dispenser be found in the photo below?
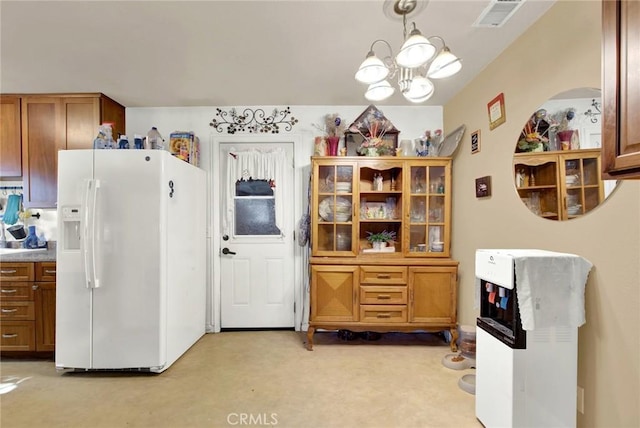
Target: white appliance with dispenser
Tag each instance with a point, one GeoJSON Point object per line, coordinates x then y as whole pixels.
{"type": "Point", "coordinates": [531, 305]}
{"type": "Point", "coordinates": [131, 259]}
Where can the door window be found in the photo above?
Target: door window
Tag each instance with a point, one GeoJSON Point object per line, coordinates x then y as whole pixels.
{"type": "Point", "coordinates": [255, 208]}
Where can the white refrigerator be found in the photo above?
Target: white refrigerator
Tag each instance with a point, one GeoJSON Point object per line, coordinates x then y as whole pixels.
{"type": "Point", "coordinates": [131, 259]}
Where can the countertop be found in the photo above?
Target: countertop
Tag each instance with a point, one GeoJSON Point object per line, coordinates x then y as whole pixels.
{"type": "Point", "coordinates": [48, 255]}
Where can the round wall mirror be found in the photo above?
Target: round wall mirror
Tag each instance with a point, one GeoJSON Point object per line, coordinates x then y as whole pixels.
{"type": "Point", "coordinates": [556, 165]}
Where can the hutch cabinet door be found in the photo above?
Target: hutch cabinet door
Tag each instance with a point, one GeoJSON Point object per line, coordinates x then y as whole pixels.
{"type": "Point", "coordinates": [332, 208]}
{"type": "Point", "coordinates": [334, 293]}
{"type": "Point", "coordinates": [582, 188]}
{"type": "Point", "coordinates": [427, 211]}
{"type": "Point", "coordinates": [432, 294]}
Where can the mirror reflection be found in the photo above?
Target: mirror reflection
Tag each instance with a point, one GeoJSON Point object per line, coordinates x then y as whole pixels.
{"type": "Point", "coordinates": [556, 165]}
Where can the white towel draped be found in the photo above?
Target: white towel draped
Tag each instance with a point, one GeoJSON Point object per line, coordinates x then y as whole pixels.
{"type": "Point", "coordinates": [551, 289]}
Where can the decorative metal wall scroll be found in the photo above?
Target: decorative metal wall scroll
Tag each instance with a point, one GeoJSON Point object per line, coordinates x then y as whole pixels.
{"type": "Point", "coordinates": [593, 115]}
{"type": "Point", "coordinates": [253, 121]}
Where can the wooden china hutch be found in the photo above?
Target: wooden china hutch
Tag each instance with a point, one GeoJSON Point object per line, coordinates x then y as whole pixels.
{"type": "Point", "coordinates": [409, 285]}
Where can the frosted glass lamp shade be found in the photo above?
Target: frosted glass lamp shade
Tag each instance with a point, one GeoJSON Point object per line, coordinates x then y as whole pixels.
{"type": "Point", "coordinates": [379, 91]}
{"type": "Point", "coordinates": [444, 65]}
{"type": "Point", "coordinates": [372, 70]}
{"type": "Point", "coordinates": [420, 90]}
{"type": "Point", "coordinates": [415, 51]}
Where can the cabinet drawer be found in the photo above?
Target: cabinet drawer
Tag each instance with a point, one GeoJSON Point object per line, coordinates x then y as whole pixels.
{"type": "Point", "coordinates": [382, 295]}
{"type": "Point", "coordinates": [17, 311]}
{"type": "Point", "coordinates": [16, 271]}
{"type": "Point", "coordinates": [10, 291]}
{"type": "Point", "coordinates": [17, 336]}
{"type": "Point", "coordinates": [45, 271]}
{"type": "Point", "coordinates": [384, 275]}
{"type": "Point", "coordinates": [383, 313]}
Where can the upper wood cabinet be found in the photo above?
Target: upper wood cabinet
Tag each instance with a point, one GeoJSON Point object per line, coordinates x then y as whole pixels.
{"type": "Point", "coordinates": [10, 137]}
{"type": "Point", "coordinates": [53, 122]}
{"type": "Point", "coordinates": [353, 197]}
{"type": "Point", "coordinates": [620, 89]}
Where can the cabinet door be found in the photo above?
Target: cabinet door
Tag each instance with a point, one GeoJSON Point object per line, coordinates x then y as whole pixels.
{"type": "Point", "coordinates": [45, 300]}
{"type": "Point", "coordinates": [428, 208]}
{"type": "Point", "coordinates": [621, 89]}
{"type": "Point", "coordinates": [112, 112]}
{"type": "Point", "coordinates": [81, 121]}
{"type": "Point", "coordinates": [42, 137]}
{"type": "Point", "coordinates": [332, 209]}
{"type": "Point", "coordinates": [10, 137]}
{"type": "Point", "coordinates": [580, 182]}
{"type": "Point", "coordinates": [433, 294]}
{"type": "Point", "coordinates": [334, 293]}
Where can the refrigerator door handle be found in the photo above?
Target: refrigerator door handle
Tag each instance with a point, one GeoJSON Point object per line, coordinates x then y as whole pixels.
{"type": "Point", "coordinates": [94, 234]}
{"type": "Point", "coordinates": [88, 267]}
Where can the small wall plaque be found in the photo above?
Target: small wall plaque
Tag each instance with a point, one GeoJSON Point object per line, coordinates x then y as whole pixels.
{"type": "Point", "coordinates": [475, 142]}
{"type": "Point", "coordinates": [483, 187]}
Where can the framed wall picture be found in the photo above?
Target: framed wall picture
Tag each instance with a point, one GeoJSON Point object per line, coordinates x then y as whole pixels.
{"type": "Point", "coordinates": [497, 115]}
{"type": "Point", "coordinates": [483, 187]}
{"type": "Point", "coordinates": [475, 142]}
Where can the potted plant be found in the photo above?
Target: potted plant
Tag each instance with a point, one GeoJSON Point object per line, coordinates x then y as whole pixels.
{"type": "Point", "coordinates": [380, 239]}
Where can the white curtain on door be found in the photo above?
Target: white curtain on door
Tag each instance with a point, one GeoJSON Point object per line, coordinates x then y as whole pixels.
{"type": "Point", "coordinates": [259, 164]}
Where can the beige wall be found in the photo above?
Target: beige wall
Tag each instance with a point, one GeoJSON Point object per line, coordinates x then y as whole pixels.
{"type": "Point", "coordinates": [560, 52]}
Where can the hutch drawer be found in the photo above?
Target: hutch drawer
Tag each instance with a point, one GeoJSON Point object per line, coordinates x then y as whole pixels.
{"type": "Point", "coordinates": [383, 295]}
{"type": "Point", "coordinates": [383, 274]}
{"type": "Point", "coordinates": [383, 313]}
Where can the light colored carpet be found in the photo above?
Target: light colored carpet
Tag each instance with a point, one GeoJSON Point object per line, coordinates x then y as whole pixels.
{"type": "Point", "coordinates": [254, 378]}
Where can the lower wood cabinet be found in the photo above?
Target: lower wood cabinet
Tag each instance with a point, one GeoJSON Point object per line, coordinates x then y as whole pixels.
{"type": "Point", "coordinates": [403, 296]}
{"type": "Point", "coordinates": [27, 306]}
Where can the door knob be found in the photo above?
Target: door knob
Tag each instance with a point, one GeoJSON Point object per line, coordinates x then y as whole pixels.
{"type": "Point", "coordinates": [226, 251]}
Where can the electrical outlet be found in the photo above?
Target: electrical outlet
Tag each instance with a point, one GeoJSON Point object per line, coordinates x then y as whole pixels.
{"type": "Point", "coordinates": [580, 399]}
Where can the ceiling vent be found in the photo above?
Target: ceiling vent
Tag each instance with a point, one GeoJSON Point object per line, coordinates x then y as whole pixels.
{"type": "Point", "coordinates": [497, 13]}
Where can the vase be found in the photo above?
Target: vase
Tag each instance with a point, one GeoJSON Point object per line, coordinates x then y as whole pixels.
{"type": "Point", "coordinates": [538, 148]}
{"type": "Point", "coordinates": [320, 146]}
{"type": "Point", "coordinates": [378, 245]}
{"type": "Point", "coordinates": [372, 151]}
{"type": "Point", "coordinates": [333, 145]}
{"type": "Point", "coordinates": [565, 138]}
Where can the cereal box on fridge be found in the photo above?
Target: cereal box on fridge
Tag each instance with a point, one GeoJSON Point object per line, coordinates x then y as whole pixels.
{"type": "Point", "coordinates": [185, 145]}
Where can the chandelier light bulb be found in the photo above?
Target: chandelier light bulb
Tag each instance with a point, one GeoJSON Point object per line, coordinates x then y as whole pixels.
{"type": "Point", "coordinates": [372, 70]}
{"type": "Point", "coordinates": [420, 90]}
{"type": "Point", "coordinates": [379, 91]}
{"type": "Point", "coordinates": [415, 51]}
{"type": "Point", "coordinates": [444, 65]}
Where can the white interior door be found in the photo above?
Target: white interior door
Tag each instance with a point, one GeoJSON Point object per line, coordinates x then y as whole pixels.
{"type": "Point", "coordinates": [257, 255]}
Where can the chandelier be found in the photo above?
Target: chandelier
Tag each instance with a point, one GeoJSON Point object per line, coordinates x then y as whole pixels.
{"type": "Point", "coordinates": [418, 61]}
